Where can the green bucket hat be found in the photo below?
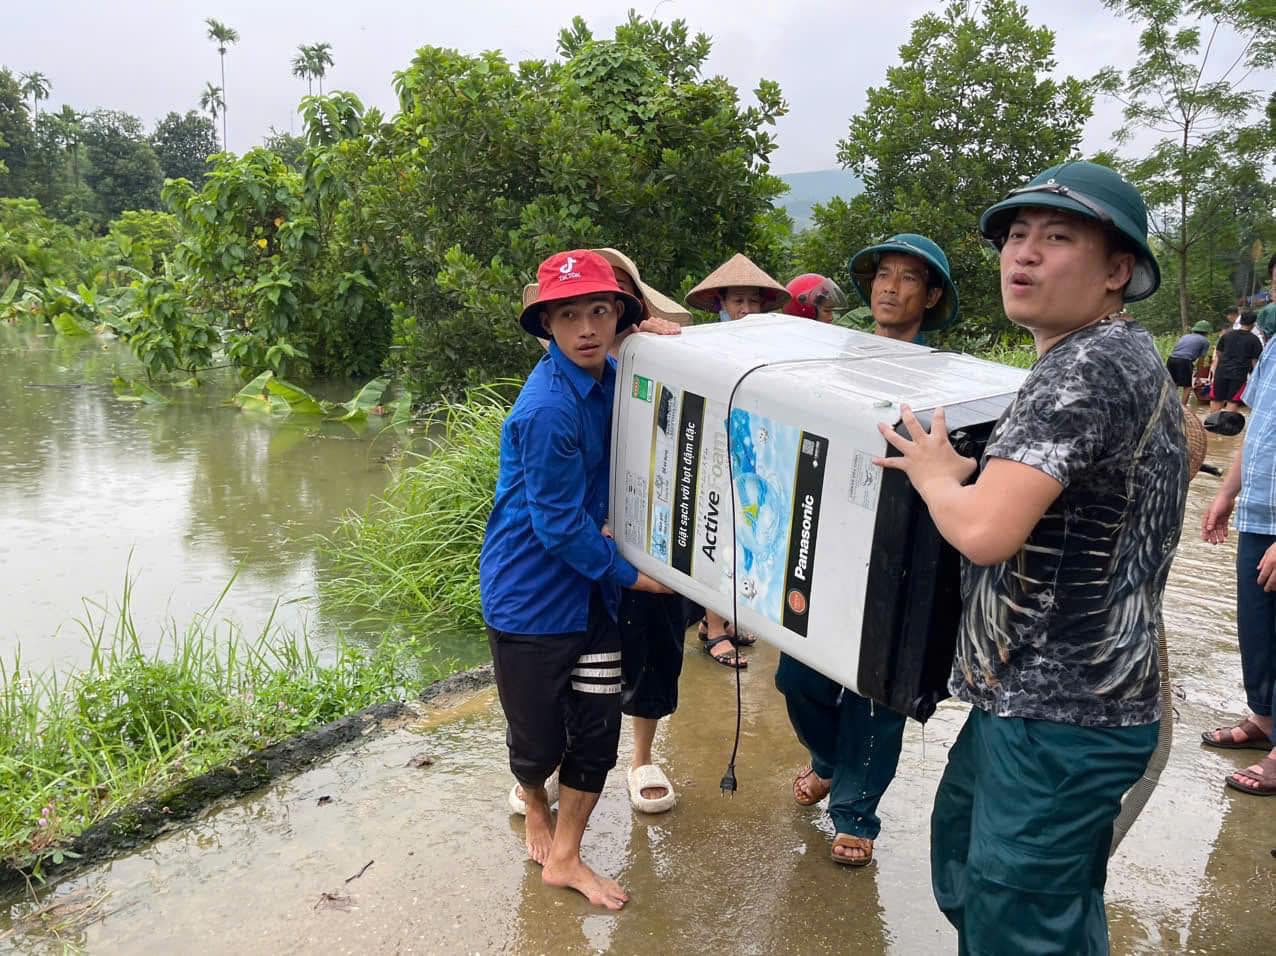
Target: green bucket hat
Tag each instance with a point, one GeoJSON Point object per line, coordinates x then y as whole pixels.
{"type": "Point", "coordinates": [1203, 327]}
{"type": "Point", "coordinates": [1090, 190]}
{"type": "Point", "coordinates": [864, 266]}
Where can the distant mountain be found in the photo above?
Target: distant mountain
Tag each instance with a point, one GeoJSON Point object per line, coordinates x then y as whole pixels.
{"type": "Point", "coordinates": [819, 186]}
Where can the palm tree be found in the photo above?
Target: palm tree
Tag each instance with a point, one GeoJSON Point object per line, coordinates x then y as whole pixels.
{"type": "Point", "coordinates": [35, 85]}
{"type": "Point", "coordinates": [68, 128]}
{"type": "Point", "coordinates": [301, 67]}
{"type": "Point", "coordinates": [223, 36]}
{"type": "Point", "coordinates": [320, 60]}
{"type": "Point", "coordinates": [212, 102]}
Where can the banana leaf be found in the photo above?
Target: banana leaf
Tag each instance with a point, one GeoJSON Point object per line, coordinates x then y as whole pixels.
{"type": "Point", "coordinates": [300, 402]}
{"type": "Point", "coordinates": [64, 323]}
{"type": "Point", "coordinates": [368, 398]}
{"type": "Point", "coordinates": [254, 395]}
{"type": "Point", "coordinates": [127, 391]}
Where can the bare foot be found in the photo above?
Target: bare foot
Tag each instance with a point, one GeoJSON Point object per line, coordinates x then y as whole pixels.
{"type": "Point", "coordinates": [539, 827]}
{"type": "Point", "coordinates": [577, 876]}
{"type": "Point", "coordinates": [809, 788]}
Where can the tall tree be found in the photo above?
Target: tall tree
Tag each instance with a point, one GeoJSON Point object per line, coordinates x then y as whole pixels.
{"type": "Point", "coordinates": [212, 103]}
{"type": "Point", "coordinates": [320, 60]}
{"type": "Point", "coordinates": [301, 67]}
{"type": "Point", "coordinates": [1184, 89]}
{"type": "Point", "coordinates": [223, 36]}
{"type": "Point", "coordinates": [36, 85]}
{"type": "Point", "coordinates": [17, 139]}
{"type": "Point", "coordinates": [122, 168]}
{"type": "Point", "coordinates": [183, 144]}
{"type": "Point", "coordinates": [970, 112]}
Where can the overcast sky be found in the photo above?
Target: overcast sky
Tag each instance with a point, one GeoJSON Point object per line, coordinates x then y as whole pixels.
{"type": "Point", "coordinates": [151, 56]}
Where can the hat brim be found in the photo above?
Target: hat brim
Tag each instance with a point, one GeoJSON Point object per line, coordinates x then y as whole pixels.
{"type": "Point", "coordinates": [709, 300]}
{"type": "Point", "coordinates": [1147, 273]}
{"type": "Point", "coordinates": [530, 318]}
{"type": "Point", "coordinates": [864, 267]}
{"type": "Point", "coordinates": [659, 305]}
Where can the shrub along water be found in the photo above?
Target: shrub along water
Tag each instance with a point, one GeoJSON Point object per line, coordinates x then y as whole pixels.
{"type": "Point", "coordinates": [75, 747]}
{"type": "Point", "coordinates": [415, 551]}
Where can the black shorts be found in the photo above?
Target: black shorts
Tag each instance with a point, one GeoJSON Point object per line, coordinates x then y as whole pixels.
{"type": "Point", "coordinates": [1226, 387]}
{"type": "Point", "coordinates": [561, 696]}
{"type": "Point", "coordinates": [1180, 371]}
{"type": "Point", "coordinates": [652, 627]}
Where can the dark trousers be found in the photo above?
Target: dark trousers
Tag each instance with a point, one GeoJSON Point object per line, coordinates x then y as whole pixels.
{"type": "Point", "coordinates": [1256, 625]}
{"type": "Point", "coordinates": [561, 697]}
{"type": "Point", "coordinates": [652, 628]}
{"type": "Point", "coordinates": [1021, 829]}
{"type": "Point", "coordinates": [852, 741]}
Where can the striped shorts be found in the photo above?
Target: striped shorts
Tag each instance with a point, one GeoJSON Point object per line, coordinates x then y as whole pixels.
{"type": "Point", "coordinates": [561, 695]}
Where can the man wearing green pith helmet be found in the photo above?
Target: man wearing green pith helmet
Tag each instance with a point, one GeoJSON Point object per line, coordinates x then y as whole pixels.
{"type": "Point", "coordinates": [853, 744]}
{"type": "Point", "coordinates": [1067, 533]}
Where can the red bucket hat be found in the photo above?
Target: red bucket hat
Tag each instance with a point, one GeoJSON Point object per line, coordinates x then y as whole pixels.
{"type": "Point", "coordinates": [567, 275]}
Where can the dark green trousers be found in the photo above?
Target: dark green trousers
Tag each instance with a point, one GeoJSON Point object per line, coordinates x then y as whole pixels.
{"type": "Point", "coordinates": [1021, 829]}
{"type": "Point", "coordinates": [852, 741]}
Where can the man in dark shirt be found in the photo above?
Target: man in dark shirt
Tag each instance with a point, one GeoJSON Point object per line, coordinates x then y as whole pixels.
{"type": "Point", "coordinates": [1067, 536]}
{"type": "Point", "coordinates": [1234, 358]}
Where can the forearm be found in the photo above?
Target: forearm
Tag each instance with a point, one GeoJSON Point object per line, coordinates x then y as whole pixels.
{"type": "Point", "coordinates": [1230, 486]}
{"type": "Point", "coordinates": [582, 546]}
{"type": "Point", "coordinates": [968, 522]}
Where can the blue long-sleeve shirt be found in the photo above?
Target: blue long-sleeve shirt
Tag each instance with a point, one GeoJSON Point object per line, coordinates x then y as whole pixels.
{"type": "Point", "coordinates": [544, 549]}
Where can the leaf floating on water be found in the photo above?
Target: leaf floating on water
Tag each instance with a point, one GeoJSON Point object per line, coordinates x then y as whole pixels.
{"type": "Point", "coordinates": [140, 392]}
{"type": "Point", "coordinates": [254, 395]}
{"type": "Point", "coordinates": [421, 760]}
{"type": "Point", "coordinates": [367, 398]}
{"type": "Point", "coordinates": [64, 323]}
{"type": "Point", "coordinates": [299, 400]}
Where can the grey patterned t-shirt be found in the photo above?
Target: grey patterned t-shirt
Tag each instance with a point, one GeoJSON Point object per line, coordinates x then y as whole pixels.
{"type": "Point", "coordinates": [1066, 629]}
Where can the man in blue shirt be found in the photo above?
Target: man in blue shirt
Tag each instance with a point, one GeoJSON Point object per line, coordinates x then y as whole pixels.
{"type": "Point", "coordinates": [1252, 478]}
{"type": "Point", "coordinates": [550, 574]}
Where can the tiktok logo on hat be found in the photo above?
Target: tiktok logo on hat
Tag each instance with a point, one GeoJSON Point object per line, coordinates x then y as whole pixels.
{"type": "Point", "coordinates": [568, 270]}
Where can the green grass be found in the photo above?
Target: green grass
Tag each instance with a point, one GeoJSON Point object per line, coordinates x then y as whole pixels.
{"type": "Point", "coordinates": [76, 746]}
{"type": "Point", "coordinates": [415, 550]}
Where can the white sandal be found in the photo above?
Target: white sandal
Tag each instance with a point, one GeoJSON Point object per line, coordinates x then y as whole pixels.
{"type": "Point", "coordinates": [650, 776]}
{"type": "Point", "coordinates": [551, 790]}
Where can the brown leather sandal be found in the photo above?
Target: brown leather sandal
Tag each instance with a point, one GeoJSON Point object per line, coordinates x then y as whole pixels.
{"type": "Point", "coordinates": [847, 842]}
{"type": "Point", "coordinates": [803, 794]}
{"type": "Point", "coordinates": [1266, 778]}
{"type": "Point", "coordinates": [1254, 739]}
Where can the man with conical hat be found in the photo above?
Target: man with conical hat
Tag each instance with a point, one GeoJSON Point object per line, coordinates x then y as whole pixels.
{"type": "Point", "coordinates": [735, 289]}
{"type": "Point", "coordinates": [854, 745]}
{"type": "Point", "coordinates": [1066, 532]}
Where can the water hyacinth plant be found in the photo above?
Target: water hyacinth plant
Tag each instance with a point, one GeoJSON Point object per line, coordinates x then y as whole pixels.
{"type": "Point", "coordinates": [135, 721]}
{"type": "Point", "coordinates": [415, 550]}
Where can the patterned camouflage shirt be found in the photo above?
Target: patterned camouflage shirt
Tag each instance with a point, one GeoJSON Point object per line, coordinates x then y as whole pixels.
{"type": "Point", "coordinates": [1066, 630]}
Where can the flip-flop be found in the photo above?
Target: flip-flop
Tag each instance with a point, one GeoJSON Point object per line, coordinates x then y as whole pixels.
{"type": "Point", "coordinates": [849, 842]}
{"type": "Point", "coordinates": [1254, 738]}
{"type": "Point", "coordinates": [1266, 776]}
{"type": "Point", "coordinates": [799, 792]}
{"type": "Point", "coordinates": [519, 807]}
{"type": "Point", "coordinates": [640, 779]}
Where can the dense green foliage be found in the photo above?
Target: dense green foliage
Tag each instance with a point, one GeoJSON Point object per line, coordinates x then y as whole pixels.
{"type": "Point", "coordinates": [75, 747]}
{"type": "Point", "coordinates": [182, 145]}
{"type": "Point", "coordinates": [489, 168]}
{"type": "Point", "coordinates": [969, 113]}
{"type": "Point", "coordinates": [1205, 179]}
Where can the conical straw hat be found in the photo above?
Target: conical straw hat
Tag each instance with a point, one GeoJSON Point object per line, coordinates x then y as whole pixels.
{"type": "Point", "coordinates": [658, 304]}
{"type": "Point", "coordinates": [739, 270]}
{"type": "Point", "coordinates": [1197, 442]}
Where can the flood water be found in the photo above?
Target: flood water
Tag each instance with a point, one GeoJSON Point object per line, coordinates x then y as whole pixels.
{"type": "Point", "coordinates": [749, 874]}
{"type": "Point", "coordinates": [182, 496]}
